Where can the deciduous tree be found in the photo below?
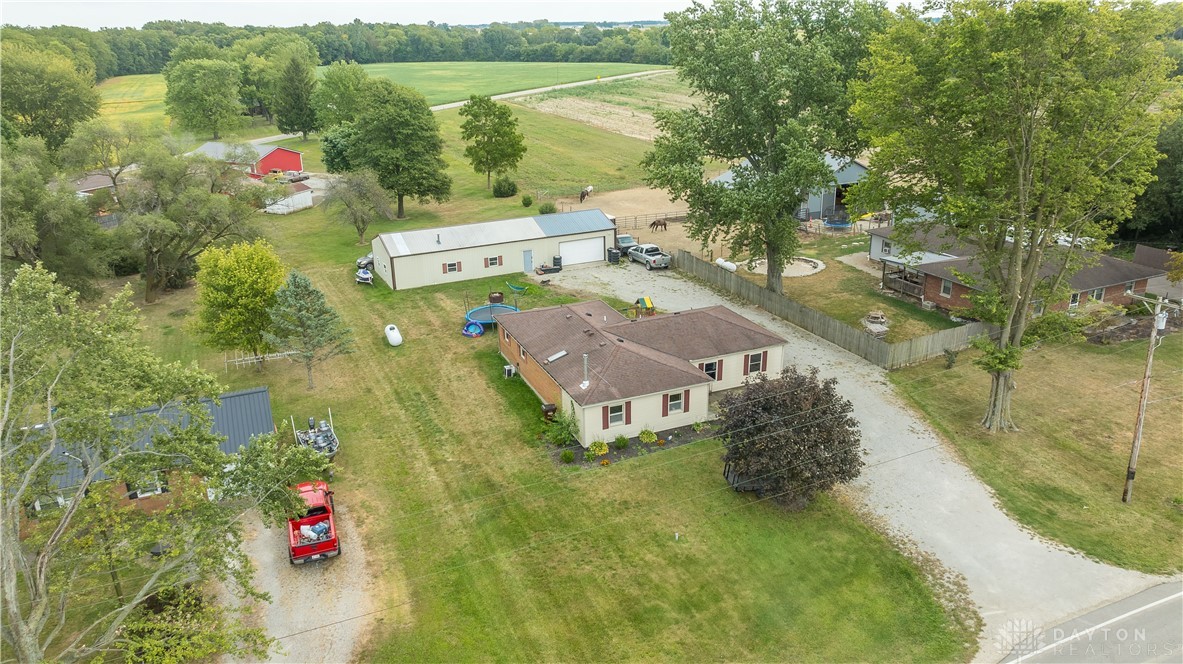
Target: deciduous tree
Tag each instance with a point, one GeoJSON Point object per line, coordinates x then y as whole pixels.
{"type": "Point", "coordinates": [110, 149]}
{"type": "Point", "coordinates": [494, 143]}
{"type": "Point", "coordinates": [236, 289]}
{"type": "Point", "coordinates": [358, 199]}
{"type": "Point", "coordinates": [338, 98]}
{"type": "Point", "coordinates": [793, 435]}
{"type": "Point", "coordinates": [203, 95]}
{"type": "Point", "coordinates": [1020, 126]}
{"type": "Point", "coordinates": [80, 389]}
{"type": "Point", "coordinates": [44, 95]}
{"type": "Point", "coordinates": [396, 136]}
{"type": "Point", "coordinates": [302, 321]}
{"type": "Point", "coordinates": [772, 83]}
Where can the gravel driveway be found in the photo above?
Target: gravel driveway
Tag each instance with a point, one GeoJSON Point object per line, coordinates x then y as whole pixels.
{"type": "Point", "coordinates": [920, 490]}
{"type": "Point", "coordinates": [311, 596]}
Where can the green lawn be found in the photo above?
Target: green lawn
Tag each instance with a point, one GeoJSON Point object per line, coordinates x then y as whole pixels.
{"type": "Point", "coordinates": [1063, 473]}
{"type": "Point", "coordinates": [483, 549]}
{"type": "Point", "coordinates": [140, 98]}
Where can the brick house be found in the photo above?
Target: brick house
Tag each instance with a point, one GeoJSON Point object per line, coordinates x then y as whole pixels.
{"type": "Point", "coordinates": [620, 376]}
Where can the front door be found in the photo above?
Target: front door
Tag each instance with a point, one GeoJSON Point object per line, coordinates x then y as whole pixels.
{"type": "Point", "coordinates": [528, 260]}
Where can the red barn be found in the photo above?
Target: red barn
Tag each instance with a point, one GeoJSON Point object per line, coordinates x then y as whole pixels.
{"type": "Point", "coordinates": [256, 160]}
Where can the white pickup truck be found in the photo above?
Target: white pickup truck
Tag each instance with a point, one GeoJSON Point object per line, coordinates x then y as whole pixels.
{"type": "Point", "coordinates": [649, 254]}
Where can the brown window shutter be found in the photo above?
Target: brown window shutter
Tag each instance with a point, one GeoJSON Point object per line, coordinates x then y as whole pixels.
{"type": "Point", "coordinates": [501, 260]}
{"type": "Point", "coordinates": [719, 369]}
{"type": "Point", "coordinates": [605, 414]}
{"type": "Point", "coordinates": [628, 412]}
{"type": "Point", "coordinates": [445, 268]}
{"type": "Point", "coordinates": [486, 262]}
{"type": "Point", "coordinates": [665, 405]}
{"type": "Point", "coordinates": [458, 268]}
{"type": "Point", "coordinates": [764, 361]}
{"type": "Point", "coordinates": [686, 401]}
{"type": "Point", "coordinates": [746, 364]}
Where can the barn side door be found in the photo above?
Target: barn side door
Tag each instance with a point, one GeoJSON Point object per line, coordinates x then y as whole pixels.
{"type": "Point", "coordinates": [528, 260]}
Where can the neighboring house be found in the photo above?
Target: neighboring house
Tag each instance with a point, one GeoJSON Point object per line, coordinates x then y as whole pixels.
{"type": "Point", "coordinates": [299, 198]}
{"type": "Point", "coordinates": [936, 245]}
{"type": "Point", "coordinates": [430, 256]}
{"type": "Point", "coordinates": [829, 202]}
{"type": "Point", "coordinates": [90, 183]}
{"type": "Point", "coordinates": [619, 376]}
{"type": "Point", "coordinates": [1157, 258]}
{"type": "Point", "coordinates": [256, 160]}
{"type": "Point", "coordinates": [241, 416]}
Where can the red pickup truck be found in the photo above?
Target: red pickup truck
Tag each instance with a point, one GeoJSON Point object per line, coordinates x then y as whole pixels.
{"type": "Point", "coordinates": [313, 536]}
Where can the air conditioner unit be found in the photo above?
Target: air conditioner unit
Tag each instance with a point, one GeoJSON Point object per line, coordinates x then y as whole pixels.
{"type": "Point", "coordinates": [928, 305]}
{"type": "Point", "coordinates": [510, 370]}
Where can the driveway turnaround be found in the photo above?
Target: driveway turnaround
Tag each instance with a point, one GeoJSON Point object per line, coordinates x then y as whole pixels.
{"type": "Point", "coordinates": [1018, 580]}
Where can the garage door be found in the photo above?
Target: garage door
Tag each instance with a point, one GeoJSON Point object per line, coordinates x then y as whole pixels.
{"type": "Point", "coordinates": [582, 251]}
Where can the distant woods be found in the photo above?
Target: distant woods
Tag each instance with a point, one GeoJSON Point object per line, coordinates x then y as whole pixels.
{"type": "Point", "coordinates": [121, 51]}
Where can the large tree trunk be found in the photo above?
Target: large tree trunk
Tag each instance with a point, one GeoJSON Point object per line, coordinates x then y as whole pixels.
{"type": "Point", "coordinates": [775, 281]}
{"type": "Point", "coordinates": [308, 366]}
{"type": "Point", "coordinates": [401, 214]}
{"type": "Point", "coordinates": [488, 179]}
{"type": "Point", "coordinates": [997, 417]}
{"type": "Point", "coordinates": [153, 278]}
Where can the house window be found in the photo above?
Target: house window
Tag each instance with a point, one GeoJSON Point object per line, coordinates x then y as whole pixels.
{"type": "Point", "coordinates": [1037, 308]}
{"type": "Point", "coordinates": [711, 369]}
{"type": "Point", "coordinates": [42, 503]}
{"type": "Point", "coordinates": [493, 261]}
{"type": "Point", "coordinates": [150, 486]}
{"type": "Point", "coordinates": [755, 363]}
{"type": "Point", "coordinates": [616, 415]}
{"type": "Point", "coordinates": [886, 248]}
{"type": "Point", "coordinates": [1129, 287]}
{"type": "Point", "coordinates": [521, 351]}
{"type": "Point", "coordinates": [946, 288]}
{"type": "Point", "coordinates": [1074, 301]}
{"type": "Point", "coordinates": [451, 267]}
{"type": "Point", "coordinates": [675, 402]}
{"type": "Point", "coordinates": [506, 333]}
{"type": "Point", "coordinates": [1098, 294]}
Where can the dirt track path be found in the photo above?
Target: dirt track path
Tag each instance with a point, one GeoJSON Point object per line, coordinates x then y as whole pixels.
{"type": "Point", "coordinates": [915, 484]}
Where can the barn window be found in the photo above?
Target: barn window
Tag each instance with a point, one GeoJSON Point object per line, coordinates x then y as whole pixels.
{"type": "Point", "coordinates": [492, 261]}
{"type": "Point", "coordinates": [451, 267]}
{"type": "Point", "coordinates": [1098, 294]}
{"type": "Point", "coordinates": [946, 288]}
{"type": "Point", "coordinates": [616, 415]}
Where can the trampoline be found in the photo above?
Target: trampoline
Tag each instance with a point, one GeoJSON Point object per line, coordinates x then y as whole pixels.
{"type": "Point", "coordinates": [484, 313]}
{"type": "Point", "coordinates": [839, 224]}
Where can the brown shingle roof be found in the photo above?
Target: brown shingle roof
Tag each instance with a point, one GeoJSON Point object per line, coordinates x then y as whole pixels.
{"type": "Point", "coordinates": [937, 240]}
{"type": "Point", "coordinates": [698, 334]}
{"type": "Point", "coordinates": [1106, 271]}
{"type": "Point", "coordinates": [617, 368]}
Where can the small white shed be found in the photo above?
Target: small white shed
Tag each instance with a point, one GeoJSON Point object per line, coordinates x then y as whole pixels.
{"type": "Point", "coordinates": [299, 198]}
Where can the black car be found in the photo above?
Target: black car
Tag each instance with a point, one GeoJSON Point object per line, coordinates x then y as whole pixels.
{"type": "Point", "coordinates": [366, 261]}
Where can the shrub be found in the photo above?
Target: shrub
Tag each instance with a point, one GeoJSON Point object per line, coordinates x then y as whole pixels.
{"type": "Point", "coordinates": [647, 436]}
{"type": "Point", "coordinates": [547, 208]}
{"type": "Point", "coordinates": [567, 456]}
{"type": "Point", "coordinates": [621, 442]}
{"type": "Point", "coordinates": [503, 187]}
{"type": "Point", "coordinates": [605, 462]}
{"type": "Point", "coordinates": [699, 427]}
{"type": "Point", "coordinates": [599, 448]}
{"type": "Point", "coordinates": [527, 200]}
{"type": "Point", "coordinates": [589, 456]}
{"type": "Point", "coordinates": [563, 429]}
{"type": "Point", "coordinates": [950, 358]}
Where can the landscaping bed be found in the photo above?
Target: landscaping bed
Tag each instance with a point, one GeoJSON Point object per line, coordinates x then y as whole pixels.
{"type": "Point", "coordinates": [633, 447]}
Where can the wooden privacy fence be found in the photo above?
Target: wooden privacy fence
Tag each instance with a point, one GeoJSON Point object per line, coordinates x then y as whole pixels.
{"type": "Point", "coordinates": [877, 351]}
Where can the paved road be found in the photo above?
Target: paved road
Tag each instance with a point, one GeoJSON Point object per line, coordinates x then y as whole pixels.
{"type": "Point", "coordinates": [507, 95]}
{"type": "Point", "coordinates": [1146, 627]}
{"type": "Point", "coordinates": [918, 486]}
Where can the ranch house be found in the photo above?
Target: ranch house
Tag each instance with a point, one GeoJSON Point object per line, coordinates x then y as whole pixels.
{"type": "Point", "coordinates": [620, 376]}
{"type": "Point", "coordinates": [256, 160]}
{"type": "Point", "coordinates": [240, 417]}
{"type": "Point", "coordinates": [431, 256]}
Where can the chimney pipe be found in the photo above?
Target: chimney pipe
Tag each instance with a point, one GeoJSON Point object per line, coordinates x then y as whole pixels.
{"type": "Point", "coordinates": [586, 382]}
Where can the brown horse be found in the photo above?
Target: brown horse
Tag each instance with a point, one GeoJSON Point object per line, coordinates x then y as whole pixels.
{"type": "Point", "coordinates": [659, 225]}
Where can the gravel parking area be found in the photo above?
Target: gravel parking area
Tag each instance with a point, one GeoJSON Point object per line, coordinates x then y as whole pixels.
{"type": "Point", "coordinates": [912, 481]}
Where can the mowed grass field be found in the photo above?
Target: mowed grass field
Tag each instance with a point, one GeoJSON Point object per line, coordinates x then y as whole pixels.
{"type": "Point", "coordinates": [140, 98]}
{"type": "Point", "coordinates": [1062, 474]}
{"type": "Point", "coordinates": [483, 549]}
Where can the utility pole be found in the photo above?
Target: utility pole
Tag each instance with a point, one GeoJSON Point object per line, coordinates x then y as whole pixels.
{"type": "Point", "coordinates": [1160, 322]}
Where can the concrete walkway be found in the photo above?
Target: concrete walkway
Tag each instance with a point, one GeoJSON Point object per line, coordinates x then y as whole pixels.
{"type": "Point", "coordinates": [915, 483]}
{"type": "Point", "coordinates": [507, 95]}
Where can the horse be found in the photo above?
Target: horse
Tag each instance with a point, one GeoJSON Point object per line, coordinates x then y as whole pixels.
{"type": "Point", "coordinates": [582, 195]}
{"type": "Point", "coordinates": [658, 225]}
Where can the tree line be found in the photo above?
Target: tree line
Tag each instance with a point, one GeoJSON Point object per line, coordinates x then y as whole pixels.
{"type": "Point", "coordinates": [122, 51]}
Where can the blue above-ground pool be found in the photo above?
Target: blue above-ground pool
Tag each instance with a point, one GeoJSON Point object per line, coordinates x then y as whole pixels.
{"type": "Point", "coordinates": [484, 313]}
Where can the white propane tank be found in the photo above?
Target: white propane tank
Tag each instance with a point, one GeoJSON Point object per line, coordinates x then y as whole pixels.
{"type": "Point", "coordinates": [729, 266]}
{"type": "Point", "coordinates": [393, 336]}
{"type": "Point", "coordinates": [719, 261]}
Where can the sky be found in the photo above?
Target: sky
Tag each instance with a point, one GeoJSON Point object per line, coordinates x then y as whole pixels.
{"type": "Point", "coordinates": [103, 13]}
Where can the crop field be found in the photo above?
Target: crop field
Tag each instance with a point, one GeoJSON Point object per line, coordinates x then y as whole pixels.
{"type": "Point", "coordinates": [141, 97]}
{"type": "Point", "coordinates": [625, 107]}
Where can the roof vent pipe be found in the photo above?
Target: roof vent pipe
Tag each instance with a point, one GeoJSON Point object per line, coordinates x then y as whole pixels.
{"type": "Point", "coordinates": [437, 238]}
{"type": "Point", "coordinates": [586, 382]}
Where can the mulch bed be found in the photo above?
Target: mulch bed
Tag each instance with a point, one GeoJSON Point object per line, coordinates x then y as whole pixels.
{"type": "Point", "coordinates": [1135, 328]}
{"type": "Point", "coordinates": [668, 439]}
